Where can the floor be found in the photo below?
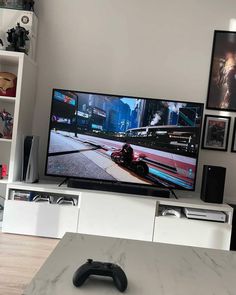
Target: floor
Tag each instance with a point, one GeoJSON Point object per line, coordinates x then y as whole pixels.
{"type": "Point", "coordinates": [20, 259]}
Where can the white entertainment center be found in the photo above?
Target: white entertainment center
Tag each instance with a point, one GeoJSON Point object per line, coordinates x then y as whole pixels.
{"type": "Point", "coordinates": [115, 215]}
{"type": "Point", "coordinates": [98, 213]}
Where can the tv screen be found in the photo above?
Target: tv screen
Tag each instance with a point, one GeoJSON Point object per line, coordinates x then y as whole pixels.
{"type": "Point", "coordinates": [121, 139]}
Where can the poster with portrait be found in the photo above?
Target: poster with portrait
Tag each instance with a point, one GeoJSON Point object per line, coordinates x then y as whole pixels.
{"type": "Point", "coordinates": [216, 133]}
{"type": "Point", "coordinates": [221, 93]}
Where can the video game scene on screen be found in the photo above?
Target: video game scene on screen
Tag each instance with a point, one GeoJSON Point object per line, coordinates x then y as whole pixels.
{"type": "Point", "coordinates": [116, 138]}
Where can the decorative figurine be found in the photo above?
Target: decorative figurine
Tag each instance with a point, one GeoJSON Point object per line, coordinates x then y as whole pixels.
{"type": "Point", "coordinates": [8, 83]}
{"type": "Point", "coordinates": [28, 5]}
{"type": "Point", "coordinates": [8, 123]}
{"type": "Point", "coordinates": [17, 38]}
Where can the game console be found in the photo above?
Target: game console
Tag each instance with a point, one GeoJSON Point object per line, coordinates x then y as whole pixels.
{"type": "Point", "coordinates": [203, 214]}
{"type": "Point", "coordinates": [101, 269]}
{"type": "Point", "coordinates": [27, 19]}
{"type": "Point", "coordinates": [30, 159]}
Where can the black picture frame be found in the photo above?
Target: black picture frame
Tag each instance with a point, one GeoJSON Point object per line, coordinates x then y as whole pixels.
{"type": "Point", "coordinates": [216, 132]}
{"type": "Point", "coordinates": [221, 94]}
{"type": "Point", "coordinates": [233, 145]}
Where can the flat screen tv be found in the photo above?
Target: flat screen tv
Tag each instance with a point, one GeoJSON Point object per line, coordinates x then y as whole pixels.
{"type": "Point", "coordinates": [117, 140]}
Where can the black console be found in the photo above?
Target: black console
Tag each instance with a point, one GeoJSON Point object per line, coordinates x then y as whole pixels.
{"type": "Point", "coordinates": [101, 269]}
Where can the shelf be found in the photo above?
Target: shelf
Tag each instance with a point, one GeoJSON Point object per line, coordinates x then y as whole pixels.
{"type": "Point", "coordinates": [7, 99]}
{"type": "Point", "coordinates": [193, 202]}
{"type": "Point", "coordinates": [3, 181]}
{"type": "Point", "coordinates": [45, 187]}
{"type": "Point", "coordinates": [10, 58]}
{"type": "Point", "coordinates": [5, 140]}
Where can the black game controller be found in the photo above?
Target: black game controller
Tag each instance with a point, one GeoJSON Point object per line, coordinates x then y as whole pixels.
{"type": "Point", "coordinates": [101, 269]}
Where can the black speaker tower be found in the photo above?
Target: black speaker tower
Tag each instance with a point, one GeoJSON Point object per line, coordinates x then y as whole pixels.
{"type": "Point", "coordinates": [213, 183]}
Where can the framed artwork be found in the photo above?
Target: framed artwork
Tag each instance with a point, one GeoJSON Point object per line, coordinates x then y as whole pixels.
{"type": "Point", "coordinates": [216, 133]}
{"type": "Point", "coordinates": [233, 146]}
{"type": "Point", "coordinates": [221, 94]}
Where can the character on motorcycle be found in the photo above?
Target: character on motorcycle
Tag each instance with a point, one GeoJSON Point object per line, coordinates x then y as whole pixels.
{"type": "Point", "coordinates": [127, 153]}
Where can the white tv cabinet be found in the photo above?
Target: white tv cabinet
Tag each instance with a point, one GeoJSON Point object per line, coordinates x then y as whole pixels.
{"type": "Point", "coordinates": [115, 215]}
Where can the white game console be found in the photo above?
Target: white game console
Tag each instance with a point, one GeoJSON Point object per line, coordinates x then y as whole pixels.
{"type": "Point", "coordinates": [203, 214]}
{"type": "Point", "coordinates": [27, 19]}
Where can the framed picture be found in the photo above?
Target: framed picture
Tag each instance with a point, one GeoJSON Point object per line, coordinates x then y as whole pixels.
{"type": "Point", "coordinates": [216, 132]}
{"type": "Point", "coordinates": [233, 146]}
{"type": "Point", "coordinates": [221, 93]}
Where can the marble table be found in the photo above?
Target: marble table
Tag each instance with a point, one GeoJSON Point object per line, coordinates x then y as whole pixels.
{"type": "Point", "coordinates": [151, 268]}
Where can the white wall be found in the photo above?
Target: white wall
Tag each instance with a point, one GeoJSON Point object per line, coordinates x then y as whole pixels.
{"type": "Point", "coordinates": [152, 48]}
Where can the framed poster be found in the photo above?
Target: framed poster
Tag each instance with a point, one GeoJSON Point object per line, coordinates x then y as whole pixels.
{"type": "Point", "coordinates": [233, 146]}
{"type": "Point", "coordinates": [221, 93]}
{"type": "Point", "coordinates": [216, 132]}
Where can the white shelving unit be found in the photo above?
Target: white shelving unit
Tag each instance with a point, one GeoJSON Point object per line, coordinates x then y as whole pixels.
{"type": "Point", "coordinates": [21, 107]}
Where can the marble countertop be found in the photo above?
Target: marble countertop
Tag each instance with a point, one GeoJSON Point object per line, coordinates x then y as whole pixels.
{"type": "Point", "coordinates": [151, 268]}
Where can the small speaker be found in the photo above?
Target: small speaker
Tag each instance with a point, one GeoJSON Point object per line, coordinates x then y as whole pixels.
{"type": "Point", "coordinates": [213, 183]}
{"type": "Point", "coordinates": [30, 159]}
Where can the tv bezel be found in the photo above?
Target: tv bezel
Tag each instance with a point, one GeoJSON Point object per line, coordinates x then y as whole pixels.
{"type": "Point", "coordinates": [103, 182]}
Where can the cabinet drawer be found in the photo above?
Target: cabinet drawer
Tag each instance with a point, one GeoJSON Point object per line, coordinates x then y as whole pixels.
{"type": "Point", "coordinates": [117, 216]}
{"type": "Point", "coordinates": [39, 219]}
{"type": "Point", "coordinates": [198, 233]}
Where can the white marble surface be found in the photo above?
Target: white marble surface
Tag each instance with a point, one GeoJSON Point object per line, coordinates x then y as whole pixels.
{"type": "Point", "coordinates": [151, 268]}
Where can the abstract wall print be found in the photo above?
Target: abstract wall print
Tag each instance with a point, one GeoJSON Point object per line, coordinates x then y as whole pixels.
{"type": "Point", "coordinates": [222, 80]}
{"type": "Point", "coordinates": [216, 133]}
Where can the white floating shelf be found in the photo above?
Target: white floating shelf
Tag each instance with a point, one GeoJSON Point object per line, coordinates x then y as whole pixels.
{"type": "Point", "coordinates": [5, 140]}
{"type": "Point", "coordinates": [7, 99]}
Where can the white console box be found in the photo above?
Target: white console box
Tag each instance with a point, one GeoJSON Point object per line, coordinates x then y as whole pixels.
{"type": "Point", "coordinates": [27, 19]}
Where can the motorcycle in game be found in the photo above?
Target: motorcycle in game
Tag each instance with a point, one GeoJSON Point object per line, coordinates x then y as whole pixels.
{"type": "Point", "coordinates": [130, 160]}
